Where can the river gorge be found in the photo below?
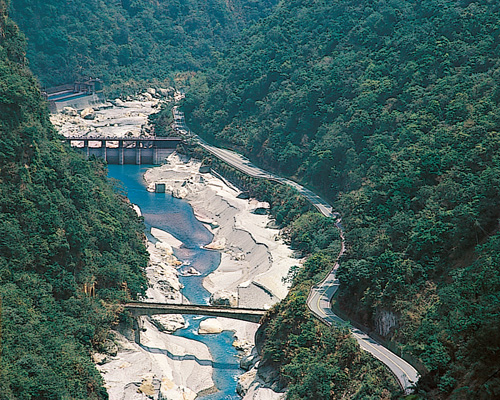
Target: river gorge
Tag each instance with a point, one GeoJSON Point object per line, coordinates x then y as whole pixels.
{"type": "Point", "coordinates": [202, 240]}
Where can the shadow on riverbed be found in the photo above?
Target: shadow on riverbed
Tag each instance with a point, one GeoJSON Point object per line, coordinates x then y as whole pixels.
{"type": "Point", "coordinates": [190, 357]}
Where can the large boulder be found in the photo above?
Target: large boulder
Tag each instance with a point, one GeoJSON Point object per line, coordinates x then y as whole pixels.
{"type": "Point", "coordinates": [210, 326]}
{"type": "Point", "coordinates": [99, 358]}
{"type": "Point", "coordinates": [164, 248]}
{"type": "Point", "coordinates": [243, 345]}
{"type": "Point", "coordinates": [165, 92]}
{"type": "Point", "coordinates": [170, 391]}
{"type": "Point", "coordinates": [170, 285]}
{"type": "Point", "coordinates": [118, 103]}
{"type": "Point", "coordinates": [224, 298]}
{"type": "Point", "coordinates": [245, 381]}
{"type": "Point", "coordinates": [88, 113]}
{"type": "Point", "coordinates": [249, 361]}
{"type": "Point", "coordinates": [69, 111]}
{"type": "Point", "coordinates": [180, 193]}
{"type": "Point", "coordinates": [168, 323]}
{"type": "Point", "coordinates": [109, 347]}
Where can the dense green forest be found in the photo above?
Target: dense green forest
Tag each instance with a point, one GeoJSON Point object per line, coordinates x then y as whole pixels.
{"type": "Point", "coordinates": [388, 108]}
{"type": "Point", "coordinates": [391, 110]}
{"type": "Point", "coordinates": [128, 42]}
{"type": "Point", "coordinates": [63, 228]}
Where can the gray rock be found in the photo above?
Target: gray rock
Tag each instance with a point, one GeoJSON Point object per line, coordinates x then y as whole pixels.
{"type": "Point", "coordinates": [165, 92]}
{"type": "Point", "coordinates": [385, 322]}
{"type": "Point", "coordinates": [109, 347]}
{"type": "Point", "coordinates": [87, 113]}
{"type": "Point", "coordinates": [245, 381]}
{"type": "Point", "coordinates": [99, 358]}
{"type": "Point", "coordinates": [168, 323]}
{"type": "Point", "coordinates": [273, 225]}
{"type": "Point", "coordinates": [248, 362]}
{"type": "Point", "coordinates": [224, 298]}
{"type": "Point", "coordinates": [210, 326]}
{"type": "Point", "coordinates": [70, 111]}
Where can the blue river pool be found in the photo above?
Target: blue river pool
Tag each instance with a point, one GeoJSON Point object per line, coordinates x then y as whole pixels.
{"type": "Point", "coordinates": [176, 217]}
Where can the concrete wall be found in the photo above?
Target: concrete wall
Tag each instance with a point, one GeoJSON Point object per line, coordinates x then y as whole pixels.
{"type": "Point", "coordinates": [79, 103]}
{"type": "Point", "coordinates": [133, 155]}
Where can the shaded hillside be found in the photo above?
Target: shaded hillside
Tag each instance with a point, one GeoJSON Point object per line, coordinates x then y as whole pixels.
{"type": "Point", "coordinates": [128, 40]}
{"type": "Point", "coordinates": [63, 228]}
{"type": "Point", "coordinates": [391, 109]}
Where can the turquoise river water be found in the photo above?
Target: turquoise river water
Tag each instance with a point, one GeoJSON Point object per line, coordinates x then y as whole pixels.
{"type": "Point", "coordinates": [176, 217]}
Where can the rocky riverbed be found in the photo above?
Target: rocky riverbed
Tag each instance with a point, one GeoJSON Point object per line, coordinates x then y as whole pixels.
{"type": "Point", "coordinates": [254, 257]}
{"type": "Point", "coordinates": [254, 260]}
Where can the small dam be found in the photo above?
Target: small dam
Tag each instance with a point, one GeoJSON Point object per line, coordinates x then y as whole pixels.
{"type": "Point", "coordinates": [137, 151]}
{"type": "Point", "coordinates": [79, 95]}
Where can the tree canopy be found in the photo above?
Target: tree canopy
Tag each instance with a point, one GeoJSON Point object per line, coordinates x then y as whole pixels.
{"type": "Point", "coordinates": [391, 110]}
{"type": "Point", "coordinates": [130, 41]}
{"type": "Point", "coordinates": [63, 228]}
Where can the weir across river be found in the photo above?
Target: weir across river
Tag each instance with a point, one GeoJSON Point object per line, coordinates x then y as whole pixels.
{"type": "Point", "coordinates": [138, 151]}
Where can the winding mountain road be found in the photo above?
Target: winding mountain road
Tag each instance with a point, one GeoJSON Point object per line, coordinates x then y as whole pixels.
{"type": "Point", "coordinates": [319, 302]}
{"type": "Point", "coordinates": [320, 296]}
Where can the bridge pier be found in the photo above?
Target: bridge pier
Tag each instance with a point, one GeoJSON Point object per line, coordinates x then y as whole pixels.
{"type": "Point", "coordinates": [137, 326]}
{"type": "Point", "coordinates": [120, 153]}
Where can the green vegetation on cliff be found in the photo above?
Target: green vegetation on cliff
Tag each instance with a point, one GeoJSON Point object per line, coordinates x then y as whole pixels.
{"type": "Point", "coordinates": [63, 229]}
{"type": "Point", "coordinates": [391, 109]}
{"type": "Point", "coordinates": [315, 361]}
{"type": "Point", "coordinates": [128, 41]}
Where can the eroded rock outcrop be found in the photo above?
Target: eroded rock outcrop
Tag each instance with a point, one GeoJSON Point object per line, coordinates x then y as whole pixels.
{"type": "Point", "coordinates": [168, 323]}
{"type": "Point", "coordinates": [224, 298]}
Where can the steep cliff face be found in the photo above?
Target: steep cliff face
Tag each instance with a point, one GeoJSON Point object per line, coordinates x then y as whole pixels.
{"type": "Point", "coordinates": [70, 246]}
{"type": "Point", "coordinates": [391, 110]}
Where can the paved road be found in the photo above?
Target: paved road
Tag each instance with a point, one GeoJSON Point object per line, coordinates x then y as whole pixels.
{"type": "Point", "coordinates": [319, 302]}
{"type": "Point", "coordinates": [244, 165]}
{"type": "Point", "coordinates": [320, 297]}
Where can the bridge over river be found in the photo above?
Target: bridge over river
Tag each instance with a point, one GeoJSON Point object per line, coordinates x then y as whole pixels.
{"type": "Point", "coordinates": [141, 150]}
{"type": "Point", "coordinates": [245, 314]}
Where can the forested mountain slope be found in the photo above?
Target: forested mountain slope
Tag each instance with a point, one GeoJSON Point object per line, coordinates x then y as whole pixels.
{"type": "Point", "coordinates": [390, 109]}
{"type": "Point", "coordinates": [128, 40]}
{"type": "Point", "coordinates": [63, 228]}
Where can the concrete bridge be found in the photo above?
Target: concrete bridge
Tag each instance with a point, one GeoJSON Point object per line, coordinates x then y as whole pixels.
{"type": "Point", "coordinates": [245, 314]}
{"type": "Point", "coordinates": [144, 150]}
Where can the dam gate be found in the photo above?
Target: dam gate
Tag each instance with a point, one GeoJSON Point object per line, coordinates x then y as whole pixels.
{"type": "Point", "coordinates": [150, 150]}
